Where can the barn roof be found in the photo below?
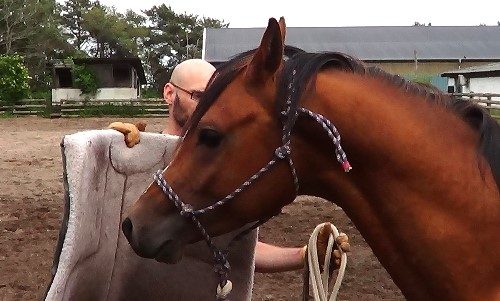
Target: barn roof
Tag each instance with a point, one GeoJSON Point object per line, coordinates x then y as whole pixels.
{"type": "Point", "coordinates": [374, 43]}
{"type": "Point", "coordinates": [494, 67]}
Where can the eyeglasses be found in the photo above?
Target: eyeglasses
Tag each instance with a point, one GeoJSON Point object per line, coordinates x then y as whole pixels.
{"type": "Point", "coordinates": [195, 95]}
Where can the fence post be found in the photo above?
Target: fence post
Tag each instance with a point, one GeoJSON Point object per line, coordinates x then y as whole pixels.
{"type": "Point", "coordinates": [55, 109]}
{"type": "Point", "coordinates": [488, 104]}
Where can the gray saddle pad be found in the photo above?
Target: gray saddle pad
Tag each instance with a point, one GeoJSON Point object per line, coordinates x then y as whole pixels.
{"type": "Point", "coordinates": [93, 260]}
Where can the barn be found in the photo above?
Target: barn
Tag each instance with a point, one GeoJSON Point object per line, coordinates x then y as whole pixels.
{"type": "Point", "coordinates": [477, 79]}
{"type": "Point", "coordinates": [411, 51]}
{"type": "Point", "coordinates": [118, 78]}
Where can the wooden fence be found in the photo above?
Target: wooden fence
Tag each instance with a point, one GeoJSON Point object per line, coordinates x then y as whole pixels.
{"type": "Point", "coordinates": [156, 107]}
{"type": "Point", "coordinates": [27, 107]}
{"type": "Point", "coordinates": [489, 101]}
{"type": "Point", "coordinates": [146, 107]}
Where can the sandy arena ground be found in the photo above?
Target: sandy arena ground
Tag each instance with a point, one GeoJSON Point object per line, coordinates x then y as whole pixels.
{"type": "Point", "coordinates": [31, 205]}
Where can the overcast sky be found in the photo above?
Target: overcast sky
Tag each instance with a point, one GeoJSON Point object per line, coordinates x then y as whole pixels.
{"type": "Point", "coordinates": [309, 13]}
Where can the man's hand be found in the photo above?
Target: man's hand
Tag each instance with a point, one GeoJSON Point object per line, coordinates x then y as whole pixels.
{"type": "Point", "coordinates": [342, 242]}
{"type": "Point", "coordinates": [131, 131]}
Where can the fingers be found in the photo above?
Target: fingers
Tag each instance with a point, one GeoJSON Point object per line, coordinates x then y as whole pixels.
{"type": "Point", "coordinates": [141, 126]}
{"type": "Point", "coordinates": [343, 242]}
{"type": "Point", "coordinates": [131, 132]}
{"type": "Point", "coordinates": [120, 127]}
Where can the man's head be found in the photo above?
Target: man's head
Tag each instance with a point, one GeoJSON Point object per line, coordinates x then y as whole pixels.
{"type": "Point", "coordinates": [181, 93]}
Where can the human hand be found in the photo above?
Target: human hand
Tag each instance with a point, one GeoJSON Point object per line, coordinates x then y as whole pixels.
{"type": "Point", "coordinates": [130, 131]}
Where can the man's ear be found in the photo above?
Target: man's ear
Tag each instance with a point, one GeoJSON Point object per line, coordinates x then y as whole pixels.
{"type": "Point", "coordinates": [168, 93]}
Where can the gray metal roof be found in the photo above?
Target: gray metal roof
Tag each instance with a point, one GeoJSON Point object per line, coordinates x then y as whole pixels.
{"type": "Point", "coordinates": [476, 69]}
{"type": "Point", "coordinates": [377, 43]}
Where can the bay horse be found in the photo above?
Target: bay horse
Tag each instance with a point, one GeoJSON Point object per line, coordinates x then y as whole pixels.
{"type": "Point", "coordinates": [423, 189]}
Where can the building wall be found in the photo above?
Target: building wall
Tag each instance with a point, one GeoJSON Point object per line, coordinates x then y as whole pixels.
{"type": "Point", "coordinates": [484, 85]}
{"type": "Point", "coordinates": [102, 93]}
{"type": "Point", "coordinates": [65, 93]}
{"type": "Point", "coordinates": [104, 74]}
{"type": "Point", "coordinates": [116, 93]}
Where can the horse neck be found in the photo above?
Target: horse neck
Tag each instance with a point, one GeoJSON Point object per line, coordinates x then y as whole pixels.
{"type": "Point", "coordinates": [411, 162]}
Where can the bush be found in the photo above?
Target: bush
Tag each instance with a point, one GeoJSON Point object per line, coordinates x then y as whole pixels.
{"type": "Point", "coordinates": [111, 110]}
{"type": "Point", "coordinates": [41, 94]}
{"type": "Point", "coordinates": [85, 80]}
{"type": "Point", "coordinates": [13, 79]}
{"type": "Point", "coordinates": [151, 92]}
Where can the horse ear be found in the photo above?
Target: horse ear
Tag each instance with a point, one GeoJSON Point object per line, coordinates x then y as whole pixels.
{"type": "Point", "coordinates": [267, 58]}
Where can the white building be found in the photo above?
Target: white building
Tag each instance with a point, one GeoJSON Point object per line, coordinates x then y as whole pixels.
{"type": "Point", "coordinates": [119, 78]}
{"type": "Point", "coordinates": [477, 79]}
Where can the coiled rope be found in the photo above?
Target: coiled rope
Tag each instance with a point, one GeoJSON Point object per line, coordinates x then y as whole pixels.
{"type": "Point", "coordinates": [319, 281]}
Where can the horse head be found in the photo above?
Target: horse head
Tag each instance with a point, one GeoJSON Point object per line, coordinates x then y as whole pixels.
{"type": "Point", "coordinates": [223, 146]}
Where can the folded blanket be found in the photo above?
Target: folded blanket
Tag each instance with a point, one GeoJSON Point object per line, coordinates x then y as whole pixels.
{"type": "Point", "coordinates": [93, 260]}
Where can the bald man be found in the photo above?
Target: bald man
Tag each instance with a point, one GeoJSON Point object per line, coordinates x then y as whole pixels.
{"type": "Point", "coordinates": [182, 93]}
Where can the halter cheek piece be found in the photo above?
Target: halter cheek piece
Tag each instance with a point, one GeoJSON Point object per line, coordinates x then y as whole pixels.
{"type": "Point", "coordinates": [283, 152]}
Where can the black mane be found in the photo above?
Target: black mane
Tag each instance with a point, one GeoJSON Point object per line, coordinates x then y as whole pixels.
{"type": "Point", "coordinates": [307, 65]}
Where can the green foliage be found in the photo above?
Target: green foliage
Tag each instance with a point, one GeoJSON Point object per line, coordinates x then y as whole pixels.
{"type": "Point", "coordinates": [72, 12]}
{"type": "Point", "coordinates": [85, 79]}
{"type": "Point", "coordinates": [13, 79]}
{"type": "Point", "coordinates": [151, 92]}
{"type": "Point", "coordinates": [172, 39]}
{"type": "Point", "coordinates": [41, 94]}
{"type": "Point", "coordinates": [46, 30]}
{"type": "Point", "coordinates": [32, 29]}
{"type": "Point", "coordinates": [419, 78]}
{"type": "Point", "coordinates": [111, 110]}
{"type": "Point", "coordinates": [7, 114]}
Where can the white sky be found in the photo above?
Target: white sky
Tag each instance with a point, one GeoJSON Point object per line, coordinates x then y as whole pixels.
{"type": "Point", "coordinates": [309, 13]}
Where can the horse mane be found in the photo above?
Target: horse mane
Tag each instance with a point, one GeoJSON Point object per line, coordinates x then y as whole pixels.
{"type": "Point", "coordinates": [307, 65]}
{"type": "Point", "coordinates": [300, 68]}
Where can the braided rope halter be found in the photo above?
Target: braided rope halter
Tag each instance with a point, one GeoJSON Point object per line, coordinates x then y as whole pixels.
{"type": "Point", "coordinates": [283, 152]}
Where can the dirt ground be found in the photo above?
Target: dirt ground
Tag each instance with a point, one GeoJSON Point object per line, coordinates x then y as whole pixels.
{"type": "Point", "coordinates": [31, 205]}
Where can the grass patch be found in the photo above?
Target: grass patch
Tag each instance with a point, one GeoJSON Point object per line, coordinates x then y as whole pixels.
{"type": "Point", "coordinates": [4, 115]}
{"type": "Point", "coordinates": [419, 78]}
{"type": "Point", "coordinates": [111, 110]}
{"type": "Point", "coordinates": [495, 113]}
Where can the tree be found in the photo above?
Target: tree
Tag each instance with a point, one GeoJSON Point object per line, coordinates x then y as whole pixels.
{"type": "Point", "coordinates": [113, 33]}
{"type": "Point", "coordinates": [72, 17]}
{"type": "Point", "coordinates": [17, 18]}
{"type": "Point", "coordinates": [172, 38]}
{"type": "Point", "coordinates": [13, 79]}
{"type": "Point", "coordinates": [32, 29]}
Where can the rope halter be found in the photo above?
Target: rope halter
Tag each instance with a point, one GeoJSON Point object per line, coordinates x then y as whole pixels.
{"type": "Point", "coordinates": [281, 153]}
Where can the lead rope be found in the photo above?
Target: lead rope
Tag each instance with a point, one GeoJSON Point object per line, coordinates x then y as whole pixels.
{"type": "Point", "coordinates": [320, 281]}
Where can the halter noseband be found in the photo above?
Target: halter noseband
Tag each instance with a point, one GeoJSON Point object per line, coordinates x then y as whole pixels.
{"type": "Point", "coordinates": [283, 152]}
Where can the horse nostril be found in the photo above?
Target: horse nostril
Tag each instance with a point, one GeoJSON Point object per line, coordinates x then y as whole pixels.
{"type": "Point", "coordinates": [127, 228]}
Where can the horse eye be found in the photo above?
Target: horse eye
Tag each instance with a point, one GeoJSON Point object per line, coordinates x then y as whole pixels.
{"type": "Point", "coordinates": [210, 138]}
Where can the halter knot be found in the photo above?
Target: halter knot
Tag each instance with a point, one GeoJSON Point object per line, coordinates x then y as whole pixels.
{"type": "Point", "coordinates": [186, 209]}
{"type": "Point", "coordinates": [283, 151]}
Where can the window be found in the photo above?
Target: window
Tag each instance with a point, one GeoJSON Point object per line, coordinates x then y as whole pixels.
{"type": "Point", "coordinates": [122, 76]}
{"type": "Point", "coordinates": [64, 78]}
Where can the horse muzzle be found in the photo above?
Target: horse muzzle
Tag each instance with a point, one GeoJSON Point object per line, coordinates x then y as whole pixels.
{"type": "Point", "coordinates": [162, 240]}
